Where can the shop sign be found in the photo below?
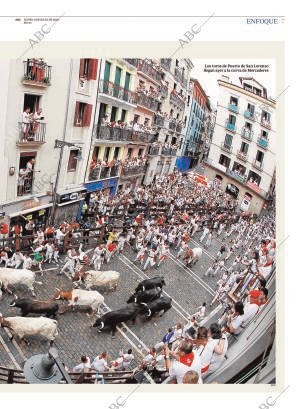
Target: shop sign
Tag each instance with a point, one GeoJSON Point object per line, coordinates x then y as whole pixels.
{"type": "Point", "coordinates": [42, 212]}
{"type": "Point", "coordinates": [2, 214]}
{"type": "Point", "coordinates": [30, 203]}
{"type": "Point", "coordinates": [69, 197]}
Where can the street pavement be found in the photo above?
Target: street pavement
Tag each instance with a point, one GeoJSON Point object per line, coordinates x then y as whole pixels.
{"type": "Point", "coordinates": [186, 286]}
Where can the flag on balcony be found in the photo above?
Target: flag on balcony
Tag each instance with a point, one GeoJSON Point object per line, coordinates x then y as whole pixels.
{"type": "Point", "coordinates": [200, 179]}
{"type": "Point", "coordinates": [111, 163]}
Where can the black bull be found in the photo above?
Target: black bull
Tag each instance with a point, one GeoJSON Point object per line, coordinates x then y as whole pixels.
{"type": "Point", "coordinates": [27, 306]}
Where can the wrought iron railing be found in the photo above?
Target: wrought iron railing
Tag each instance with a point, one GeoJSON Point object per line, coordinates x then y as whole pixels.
{"type": "Point", "coordinates": [38, 72]}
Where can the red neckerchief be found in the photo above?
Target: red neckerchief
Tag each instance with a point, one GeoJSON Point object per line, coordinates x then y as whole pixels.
{"type": "Point", "coordinates": [187, 359]}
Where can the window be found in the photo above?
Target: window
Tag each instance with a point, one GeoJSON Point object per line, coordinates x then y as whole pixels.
{"type": "Point", "coordinates": [102, 112]}
{"type": "Point", "coordinates": [146, 121]}
{"type": "Point", "coordinates": [233, 101]}
{"type": "Point", "coordinates": [248, 126]}
{"type": "Point", "coordinates": [123, 115]}
{"type": "Point", "coordinates": [264, 135]}
{"type": "Point", "coordinates": [224, 160]}
{"type": "Point", "coordinates": [259, 156]}
{"type": "Point", "coordinates": [188, 100]}
{"type": "Point", "coordinates": [113, 114]}
{"type": "Point", "coordinates": [136, 119]}
{"type": "Point", "coordinates": [171, 112]}
{"type": "Point", "coordinates": [106, 153]}
{"type": "Point", "coordinates": [26, 174]}
{"type": "Point", "coordinates": [83, 114]}
{"type": "Point", "coordinates": [175, 85]}
{"type": "Point", "coordinates": [251, 109]}
{"type": "Point", "coordinates": [88, 68]}
{"type": "Point", "coordinates": [129, 152]}
{"type": "Point", "coordinates": [116, 152]}
{"type": "Point", "coordinates": [254, 178]}
{"type": "Point", "coordinates": [244, 148]}
{"type": "Point", "coordinates": [239, 169]}
{"type": "Point", "coordinates": [177, 116]}
{"type": "Point", "coordinates": [228, 141]}
{"type": "Point", "coordinates": [72, 164]}
{"type": "Point", "coordinates": [141, 152]}
{"type": "Point", "coordinates": [232, 119]}
{"type": "Point", "coordinates": [32, 101]}
{"type": "Point", "coordinates": [176, 63]}
{"type": "Point", "coordinates": [256, 91]}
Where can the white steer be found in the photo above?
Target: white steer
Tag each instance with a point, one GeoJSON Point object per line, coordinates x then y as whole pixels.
{"type": "Point", "coordinates": [92, 299]}
{"type": "Point", "coordinates": [95, 278]}
{"type": "Point", "coordinates": [193, 255]}
{"type": "Point", "coordinates": [22, 326]}
{"type": "Point", "coordinates": [14, 277]}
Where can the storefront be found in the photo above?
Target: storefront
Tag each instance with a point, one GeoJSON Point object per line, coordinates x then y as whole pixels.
{"type": "Point", "coordinates": [68, 205]}
{"type": "Point", "coordinates": [38, 214]}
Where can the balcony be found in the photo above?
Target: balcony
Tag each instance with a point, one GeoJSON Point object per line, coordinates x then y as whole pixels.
{"type": "Point", "coordinates": [249, 115]}
{"type": "Point", "coordinates": [153, 151]}
{"type": "Point", "coordinates": [231, 127]}
{"type": "Point", "coordinates": [32, 134]}
{"type": "Point", "coordinates": [236, 176]}
{"type": "Point", "coordinates": [158, 120]}
{"type": "Point", "coordinates": [146, 68]}
{"type": "Point", "coordinates": [133, 170]}
{"type": "Point", "coordinates": [163, 90]}
{"type": "Point", "coordinates": [243, 156]}
{"type": "Point", "coordinates": [258, 165]}
{"type": "Point", "coordinates": [262, 142]}
{"type": "Point", "coordinates": [147, 101]}
{"type": "Point", "coordinates": [104, 172]}
{"type": "Point", "coordinates": [166, 63]}
{"type": "Point", "coordinates": [114, 90]}
{"type": "Point", "coordinates": [172, 125]}
{"type": "Point", "coordinates": [247, 134]}
{"type": "Point", "coordinates": [25, 184]}
{"type": "Point", "coordinates": [226, 147]}
{"type": "Point", "coordinates": [168, 152]}
{"type": "Point", "coordinates": [106, 133]}
{"type": "Point", "coordinates": [264, 122]}
{"type": "Point", "coordinates": [233, 108]}
{"type": "Point", "coordinates": [36, 73]}
{"type": "Point", "coordinates": [177, 100]}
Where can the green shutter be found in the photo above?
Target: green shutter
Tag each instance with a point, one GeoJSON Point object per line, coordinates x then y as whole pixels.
{"type": "Point", "coordinates": [106, 76]}
{"type": "Point", "coordinates": [117, 82]}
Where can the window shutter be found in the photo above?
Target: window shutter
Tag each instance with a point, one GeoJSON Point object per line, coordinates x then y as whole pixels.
{"type": "Point", "coordinates": [87, 114]}
{"type": "Point", "coordinates": [81, 68]}
{"type": "Point", "coordinates": [76, 114]}
{"type": "Point", "coordinates": [92, 71]}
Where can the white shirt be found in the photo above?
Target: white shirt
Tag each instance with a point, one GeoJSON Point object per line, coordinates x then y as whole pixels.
{"type": "Point", "coordinates": [249, 312]}
{"type": "Point", "coordinates": [100, 364]}
{"type": "Point", "coordinates": [127, 358]}
{"type": "Point", "coordinates": [178, 369]}
{"type": "Point", "coordinates": [217, 359]}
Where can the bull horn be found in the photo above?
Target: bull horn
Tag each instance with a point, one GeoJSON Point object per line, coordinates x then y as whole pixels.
{"type": "Point", "coordinates": [143, 287]}
{"type": "Point", "coordinates": [57, 289]}
{"type": "Point", "coordinates": [57, 298]}
{"type": "Point", "coordinates": [13, 304]}
{"type": "Point", "coordinates": [101, 325]}
{"type": "Point", "coordinates": [149, 313]}
{"type": "Point", "coordinates": [135, 299]}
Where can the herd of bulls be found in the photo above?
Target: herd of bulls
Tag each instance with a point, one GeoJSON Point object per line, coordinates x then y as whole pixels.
{"type": "Point", "coordinates": [147, 300]}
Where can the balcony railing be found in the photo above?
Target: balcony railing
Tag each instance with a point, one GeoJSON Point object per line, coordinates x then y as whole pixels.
{"type": "Point", "coordinates": [25, 184]}
{"type": "Point", "coordinates": [249, 115]}
{"type": "Point", "coordinates": [133, 170]}
{"type": "Point", "coordinates": [176, 100]}
{"type": "Point", "coordinates": [158, 120]}
{"type": "Point", "coordinates": [166, 63]}
{"type": "Point", "coordinates": [262, 142]}
{"type": "Point", "coordinates": [104, 172]}
{"type": "Point", "coordinates": [36, 73]}
{"type": "Point", "coordinates": [114, 90]}
{"type": "Point", "coordinates": [236, 176]}
{"type": "Point", "coordinates": [147, 101]}
{"type": "Point", "coordinates": [32, 133]}
{"type": "Point", "coordinates": [258, 165]}
{"type": "Point", "coordinates": [231, 127]}
{"type": "Point", "coordinates": [153, 151]}
{"type": "Point", "coordinates": [146, 68]}
{"type": "Point", "coordinates": [163, 90]}
{"type": "Point", "coordinates": [226, 147]}
{"type": "Point", "coordinates": [247, 134]}
{"type": "Point", "coordinates": [104, 132]}
{"type": "Point", "coordinates": [233, 108]}
{"type": "Point", "coordinates": [243, 156]}
{"type": "Point", "coordinates": [168, 152]}
{"type": "Point", "coordinates": [264, 122]}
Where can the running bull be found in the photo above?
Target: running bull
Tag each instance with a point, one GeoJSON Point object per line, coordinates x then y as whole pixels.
{"type": "Point", "coordinates": [113, 318]}
{"type": "Point", "coordinates": [150, 283]}
{"type": "Point", "coordinates": [145, 296]}
{"type": "Point", "coordinates": [154, 307]}
{"type": "Point", "coordinates": [22, 326]}
{"type": "Point", "coordinates": [27, 306]}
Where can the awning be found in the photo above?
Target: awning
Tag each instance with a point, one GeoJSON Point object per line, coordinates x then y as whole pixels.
{"type": "Point", "coordinates": [199, 178]}
{"type": "Point", "coordinates": [32, 210]}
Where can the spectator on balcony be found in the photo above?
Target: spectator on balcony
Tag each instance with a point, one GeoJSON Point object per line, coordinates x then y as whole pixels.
{"type": "Point", "coordinates": [105, 120]}
{"type": "Point", "coordinates": [21, 181]}
{"type": "Point", "coordinates": [26, 124]}
{"type": "Point", "coordinates": [36, 119]}
{"type": "Point", "coordinates": [3, 230]}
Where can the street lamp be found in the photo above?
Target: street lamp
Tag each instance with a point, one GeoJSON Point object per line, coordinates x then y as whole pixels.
{"type": "Point", "coordinates": [46, 368]}
{"type": "Point", "coordinates": [61, 144]}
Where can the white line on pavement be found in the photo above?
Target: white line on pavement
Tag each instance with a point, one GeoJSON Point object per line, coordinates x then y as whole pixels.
{"type": "Point", "coordinates": [187, 314]}
{"type": "Point", "coordinates": [9, 353]}
{"type": "Point", "coordinates": [193, 275]}
{"type": "Point", "coordinates": [16, 345]}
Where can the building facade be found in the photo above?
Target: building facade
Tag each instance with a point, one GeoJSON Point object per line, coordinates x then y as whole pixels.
{"type": "Point", "coordinates": [197, 131]}
{"type": "Point", "coordinates": [242, 153]}
{"type": "Point", "coordinates": [43, 101]}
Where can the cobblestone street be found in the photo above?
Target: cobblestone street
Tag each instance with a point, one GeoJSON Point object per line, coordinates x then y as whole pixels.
{"type": "Point", "coordinates": [185, 286]}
